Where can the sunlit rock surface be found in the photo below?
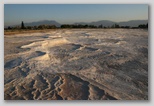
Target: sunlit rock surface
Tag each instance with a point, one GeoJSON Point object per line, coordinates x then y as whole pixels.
{"type": "Point", "coordinates": [77, 64]}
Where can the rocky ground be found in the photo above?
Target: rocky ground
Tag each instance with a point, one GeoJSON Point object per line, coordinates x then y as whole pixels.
{"type": "Point", "coordinates": [77, 64]}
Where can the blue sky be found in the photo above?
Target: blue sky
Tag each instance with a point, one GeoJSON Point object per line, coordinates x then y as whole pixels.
{"type": "Point", "coordinates": [70, 13]}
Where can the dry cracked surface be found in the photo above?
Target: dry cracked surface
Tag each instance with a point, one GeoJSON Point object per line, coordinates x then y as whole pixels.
{"type": "Point", "coordinates": [77, 64]}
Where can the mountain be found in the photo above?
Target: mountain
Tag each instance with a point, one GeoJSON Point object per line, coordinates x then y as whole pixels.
{"type": "Point", "coordinates": [80, 23]}
{"type": "Point", "coordinates": [97, 23]}
{"type": "Point", "coordinates": [103, 22]}
{"type": "Point", "coordinates": [133, 23]}
{"type": "Point", "coordinates": [106, 23]}
{"type": "Point", "coordinates": [43, 22]}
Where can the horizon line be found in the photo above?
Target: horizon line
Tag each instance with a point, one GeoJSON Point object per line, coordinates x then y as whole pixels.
{"type": "Point", "coordinates": [75, 22]}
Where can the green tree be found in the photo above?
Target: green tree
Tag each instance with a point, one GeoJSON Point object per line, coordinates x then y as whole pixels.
{"type": "Point", "coordinates": [117, 26]}
{"type": "Point", "coordinates": [22, 25]}
{"type": "Point", "coordinates": [100, 26]}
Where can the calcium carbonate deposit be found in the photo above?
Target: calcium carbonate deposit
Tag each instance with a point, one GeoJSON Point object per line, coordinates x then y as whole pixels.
{"type": "Point", "coordinates": [77, 64]}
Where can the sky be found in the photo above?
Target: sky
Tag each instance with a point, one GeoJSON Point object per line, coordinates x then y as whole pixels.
{"type": "Point", "coordinates": [71, 13]}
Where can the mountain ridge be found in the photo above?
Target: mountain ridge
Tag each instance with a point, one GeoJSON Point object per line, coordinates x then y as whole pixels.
{"type": "Point", "coordinates": [106, 23]}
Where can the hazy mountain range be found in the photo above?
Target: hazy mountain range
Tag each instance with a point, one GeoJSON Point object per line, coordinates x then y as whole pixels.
{"type": "Point", "coordinates": [44, 22]}
{"type": "Point", "coordinates": [132, 23]}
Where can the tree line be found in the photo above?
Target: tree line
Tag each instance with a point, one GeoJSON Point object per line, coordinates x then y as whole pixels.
{"type": "Point", "coordinates": [144, 26]}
